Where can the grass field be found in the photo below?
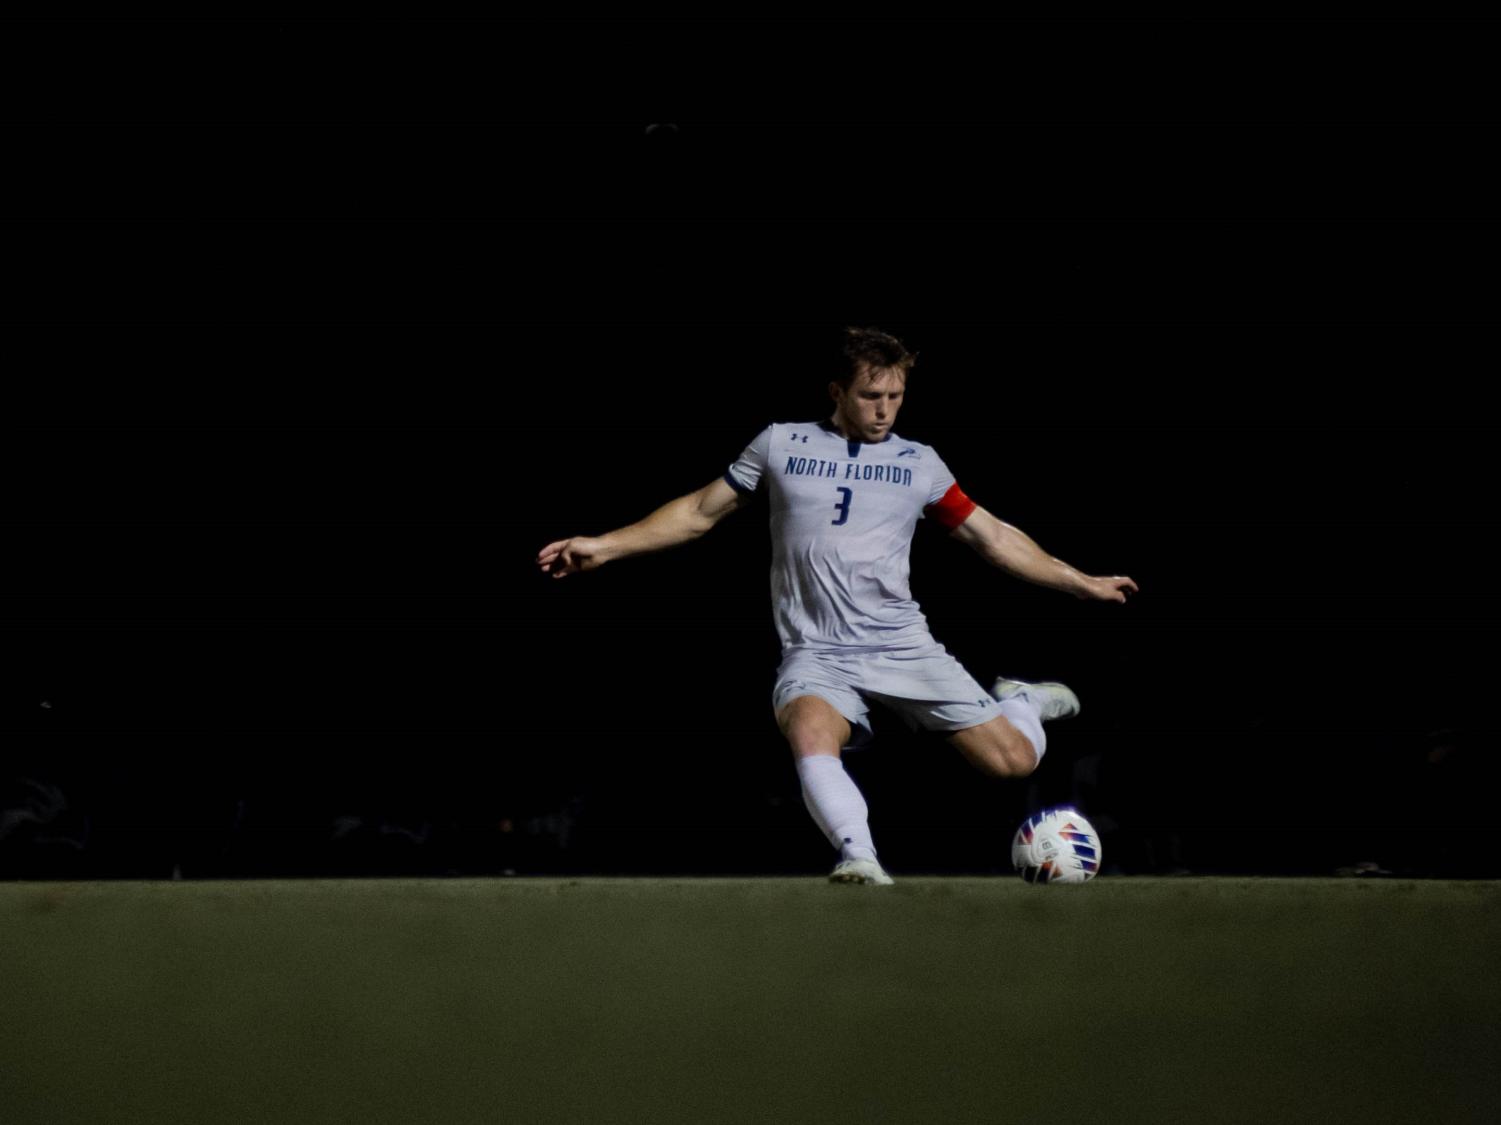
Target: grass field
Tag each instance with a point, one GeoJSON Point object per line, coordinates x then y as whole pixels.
{"type": "Point", "coordinates": [750, 1000]}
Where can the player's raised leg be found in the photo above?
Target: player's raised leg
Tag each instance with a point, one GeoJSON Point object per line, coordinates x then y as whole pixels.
{"type": "Point", "coordinates": [1051, 700]}
{"type": "Point", "coordinates": [817, 732]}
{"type": "Point", "coordinates": [1000, 747]}
{"type": "Point", "coordinates": [1012, 745]}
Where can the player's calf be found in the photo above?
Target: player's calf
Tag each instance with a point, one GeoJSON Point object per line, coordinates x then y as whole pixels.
{"type": "Point", "coordinates": [997, 748]}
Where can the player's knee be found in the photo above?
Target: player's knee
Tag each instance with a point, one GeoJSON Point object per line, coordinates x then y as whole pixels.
{"type": "Point", "coordinates": [812, 726]}
{"type": "Point", "coordinates": [809, 738]}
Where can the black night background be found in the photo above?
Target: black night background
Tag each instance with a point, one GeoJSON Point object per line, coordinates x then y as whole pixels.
{"type": "Point", "coordinates": [306, 384]}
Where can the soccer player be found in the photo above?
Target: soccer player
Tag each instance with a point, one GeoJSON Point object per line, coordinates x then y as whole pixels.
{"type": "Point", "coordinates": [845, 496]}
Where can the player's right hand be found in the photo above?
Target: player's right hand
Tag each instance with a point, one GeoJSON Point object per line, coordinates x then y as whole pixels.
{"type": "Point", "coordinates": [569, 555]}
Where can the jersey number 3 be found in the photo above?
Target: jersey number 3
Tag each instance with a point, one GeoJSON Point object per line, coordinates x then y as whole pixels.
{"type": "Point", "coordinates": [843, 507]}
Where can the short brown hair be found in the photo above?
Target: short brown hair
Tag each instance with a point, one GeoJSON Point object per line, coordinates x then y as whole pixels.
{"type": "Point", "coordinates": [870, 347]}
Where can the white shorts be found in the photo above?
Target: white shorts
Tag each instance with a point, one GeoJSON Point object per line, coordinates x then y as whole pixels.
{"type": "Point", "coordinates": [927, 687]}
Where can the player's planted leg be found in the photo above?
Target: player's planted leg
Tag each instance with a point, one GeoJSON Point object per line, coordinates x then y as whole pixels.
{"type": "Point", "coordinates": [817, 733]}
{"type": "Point", "coordinates": [867, 871]}
{"type": "Point", "coordinates": [835, 803]}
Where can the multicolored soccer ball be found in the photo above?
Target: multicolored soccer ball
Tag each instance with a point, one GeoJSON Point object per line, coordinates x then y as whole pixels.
{"type": "Point", "coordinates": [1056, 846]}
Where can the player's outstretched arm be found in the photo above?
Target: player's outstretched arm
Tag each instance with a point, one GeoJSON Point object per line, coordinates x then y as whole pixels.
{"type": "Point", "coordinates": [677, 521]}
{"type": "Point", "coordinates": [1013, 551]}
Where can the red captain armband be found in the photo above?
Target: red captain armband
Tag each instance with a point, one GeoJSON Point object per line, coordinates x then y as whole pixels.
{"type": "Point", "coordinates": [952, 510]}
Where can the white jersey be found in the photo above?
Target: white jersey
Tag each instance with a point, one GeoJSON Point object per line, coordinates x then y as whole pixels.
{"type": "Point", "coordinates": [842, 517]}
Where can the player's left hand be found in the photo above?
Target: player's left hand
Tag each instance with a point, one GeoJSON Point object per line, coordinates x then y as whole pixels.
{"type": "Point", "coordinates": [1115, 589]}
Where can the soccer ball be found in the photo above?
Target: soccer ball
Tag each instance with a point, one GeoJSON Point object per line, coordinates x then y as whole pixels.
{"type": "Point", "coordinates": [1056, 846]}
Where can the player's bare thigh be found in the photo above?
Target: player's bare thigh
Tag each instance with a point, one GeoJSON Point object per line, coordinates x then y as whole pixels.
{"type": "Point", "coordinates": [812, 726]}
{"type": "Point", "coordinates": [997, 748]}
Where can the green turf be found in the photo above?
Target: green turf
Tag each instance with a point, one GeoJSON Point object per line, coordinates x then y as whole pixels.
{"type": "Point", "coordinates": [750, 1000]}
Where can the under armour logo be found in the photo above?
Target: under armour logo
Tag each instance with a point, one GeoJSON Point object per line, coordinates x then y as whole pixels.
{"type": "Point", "coordinates": [803, 438]}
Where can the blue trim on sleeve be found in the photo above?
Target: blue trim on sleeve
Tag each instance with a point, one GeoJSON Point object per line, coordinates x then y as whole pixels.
{"type": "Point", "coordinates": [737, 486]}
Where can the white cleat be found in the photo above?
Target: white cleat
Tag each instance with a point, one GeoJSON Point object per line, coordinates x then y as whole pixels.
{"type": "Point", "coordinates": [1053, 700]}
{"type": "Point", "coordinates": [866, 871]}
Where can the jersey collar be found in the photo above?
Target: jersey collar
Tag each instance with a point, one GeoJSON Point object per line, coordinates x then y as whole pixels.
{"type": "Point", "coordinates": [829, 426]}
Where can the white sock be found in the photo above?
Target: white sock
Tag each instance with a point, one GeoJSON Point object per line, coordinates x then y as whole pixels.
{"type": "Point", "coordinates": [836, 805]}
{"type": "Point", "coordinates": [1025, 717]}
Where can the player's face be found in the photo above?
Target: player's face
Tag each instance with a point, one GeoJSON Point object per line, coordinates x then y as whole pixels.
{"type": "Point", "coordinates": [867, 411]}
